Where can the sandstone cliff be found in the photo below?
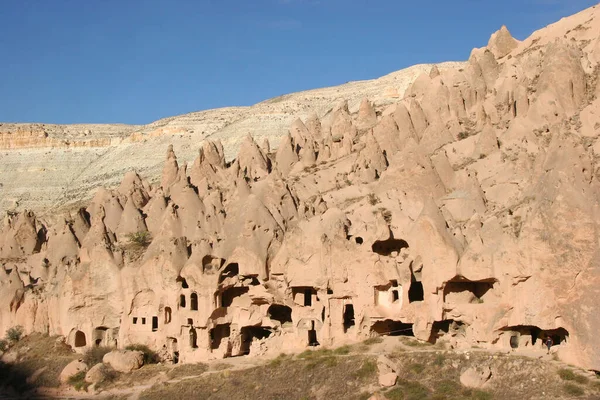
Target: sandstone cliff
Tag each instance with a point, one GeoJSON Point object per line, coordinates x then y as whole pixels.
{"type": "Point", "coordinates": [465, 212]}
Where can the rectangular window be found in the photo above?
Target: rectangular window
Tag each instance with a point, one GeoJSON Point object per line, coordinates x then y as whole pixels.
{"type": "Point", "coordinates": [143, 321]}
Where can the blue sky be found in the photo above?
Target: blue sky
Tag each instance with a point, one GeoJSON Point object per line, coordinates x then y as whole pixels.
{"type": "Point", "coordinates": [135, 61]}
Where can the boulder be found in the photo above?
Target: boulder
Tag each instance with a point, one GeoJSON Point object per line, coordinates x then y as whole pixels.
{"type": "Point", "coordinates": [124, 360]}
{"type": "Point", "coordinates": [72, 368]}
{"type": "Point", "coordinates": [476, 377]}
{"type": "Point", "coordinates": [96, 374]}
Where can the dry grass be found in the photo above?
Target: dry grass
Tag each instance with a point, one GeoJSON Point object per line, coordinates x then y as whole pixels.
{"type": "Point", "coordinates": [39, 352]}
{"type": "Point", "coordinates": [288, 378]}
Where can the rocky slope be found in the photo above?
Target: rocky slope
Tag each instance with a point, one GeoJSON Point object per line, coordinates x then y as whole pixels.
{"type": "Point", "coordinates": [466, 212]}
{"type": "Point", "coordinates": [58, 166]}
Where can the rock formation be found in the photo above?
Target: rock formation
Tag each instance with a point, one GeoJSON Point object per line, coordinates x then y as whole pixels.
{"type": "Point", "coordinates": [465, 213]}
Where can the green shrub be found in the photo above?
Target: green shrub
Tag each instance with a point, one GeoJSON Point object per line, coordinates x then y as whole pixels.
{"type": "Point", "coordinates": [78, 381]}
{"type": "Point", "coordinates": [3, 345]}
{"type": "Point", "coordinates": [477, 394]}
{"type": "Point", "coordinates": [366, 370]}
{"type": "Point", "coordinates": [140, 239]}
{"type": "Point", "coordinates": [408, 390]}
{"type": "Point", "coordinates": [373, 340]}
{"type": "Point", "coordinates": [463, 135]}
{"type": "Point", "coordinates": [416, 368]}
{"type": "Point", "coordinates": [15, 333]}
{"type": "Point", "coordinates": [573, 390]}
{"type": "Point", "coordinates": [566, 374]}
{"type": "Point", "coordinates": [94, 355]}
{"type": "Point", "coordinates": [150, 356]}
{"type": "Point", "coordinates": [342, 350]}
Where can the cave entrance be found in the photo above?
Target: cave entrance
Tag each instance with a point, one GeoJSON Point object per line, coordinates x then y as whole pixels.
{"type": "Point", "coordinates": [154, 324]}
{"type": "Point", "coordinates": [229, 294]}
{"type": "Point", "coordinates": [167, 315]}
{"type": "Point", "coordinates": [389, 327]}
{"type": "Point", "coordinates": [466, 292]}
{"type": "Point", "coordinates": [173, 349]}
{"type": "Point", "coordinates": [182, 282]}
{"type": "Point", "coordinates": [229, 271]}
{"type": "Point", "coordinates": [387, 295]}
{"type": "Point", "coordinates": [416, 292]}
{"type": "Point", "coordinates": [389, 246]}
{"type": "Point", "coordinates": [80, 339]}
{"type": "Point", "coordinates": [182, 301]}
{"type": "Point", "coordinates": [193, 338]}
{"type": "Point", "coordinates": [304, 295]}
{"type": "Point", "coordinates": [100, 336]}
{"type": "Point", "coordinates": [194, 302]}
{"type": "Point", "coordinates": [251, 333]}
{"type": "Point", "coordinates": [280, 313]}
{"type": "Point", "coordinates": [217, 334]}
{"type": "Point", "coordinates": [348, 317]}
{"type": "Point", "coordinates": [312, 335]}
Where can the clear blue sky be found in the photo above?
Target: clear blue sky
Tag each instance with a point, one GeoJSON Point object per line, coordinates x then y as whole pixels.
{"type": "Point", "coordinates": [135, 61]}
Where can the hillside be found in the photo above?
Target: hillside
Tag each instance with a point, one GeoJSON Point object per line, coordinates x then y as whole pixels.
{"type": "Point", "coordinates": [463, 215]}
{"type": "Point", "coordinates": [60, 166]}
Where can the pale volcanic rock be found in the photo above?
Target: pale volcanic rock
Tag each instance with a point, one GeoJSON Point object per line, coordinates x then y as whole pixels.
{"type": "Point", "coordinates": [501, 42]}
{"type": "Point", "coordinates": [466, 214]}
{"type": "Point", "coordinates": [124, 361]}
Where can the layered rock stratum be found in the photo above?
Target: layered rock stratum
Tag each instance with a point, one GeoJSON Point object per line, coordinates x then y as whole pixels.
{"type": "Point", "coordinates": [464, 211]}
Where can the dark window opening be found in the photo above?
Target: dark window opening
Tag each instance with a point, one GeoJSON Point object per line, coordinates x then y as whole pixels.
{"type": "Point", "coordinates": [154, 324]}
{"type": "Point", "coordinates": [190, 321]}
{"type": "Point", "coordinates": [80, 339]}
{"type": "Point", "coordinates": [312, 335]}
{"type": "Point", "coordinates": [395, 295]}
{"type": "Point", "coordinates": [303, 295]}
{"type": "Point", "coordinates": [558, 335]}
{"type": "Point", "coordinates": [392, 328]}
{"type": "Point", "coordinates": [445, 327]}
{"type": "Point", "coordinates": [389, 246]}
{"type": "Point", "coordinates": [465, 292]}
{"type": "Point", "coordinates": [348, 316]}
{"type": "Point", "coordinates": [182, 301]}
{"type": "Point", "coordinates": [415, 292]}
{"type": "Point", "coordinates": [358, 240]}
{"type": "Point", "coordinates": [280, 313]}
{"type": "Point", "coordinates": [514, 341]}
{"type": "Point", "coordinates": [135, 320]}
{"type": "Point", "coordinates": [230, 271]}
{"type": "Point", "coordinates": [231, 293]}
{"type": "Point", "coordinates": [173, 348]}
{"type": "Point", "coordinates": [193, 338]}
{"type": "Point", "coordinates": [167, 315]}
{"type": "Point", "coordinates": [251, 333]}
{"type": "Point", "coordinates": [329, 291]}
{"type": "Point", "coordinates": [217, 334]}
{"type": "Point", "coordinates": [183, 282]}
{"type": "Point", "coordinates": [100, 336]}
{"type": "Point", "coordinates": [210, 264]}
{"type": "Point", "coordinates": [143, 321]}
{"type": "Point", "coordinates": [194, 302]}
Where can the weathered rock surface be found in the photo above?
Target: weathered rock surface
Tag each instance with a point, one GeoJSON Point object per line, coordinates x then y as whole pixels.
{"type": "Point", "coordinates": [468, 214]}
{"type": "Point", "coordinates": [72, 368]}
{"type": "Point", "coordinates": [124, 360]}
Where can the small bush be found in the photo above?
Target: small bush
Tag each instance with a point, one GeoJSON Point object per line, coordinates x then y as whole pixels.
{"type": "Point", "coordinates": [368, 369]}
{"type": "Point", "coordinates": [373, 340]}
{"type": "Point", "coordinates": [439, 360]}
{"type": "Point", "coordinates": [448, 388]}
{"type": "Point", "coordinates": [463, 135]}
{"type": "Point", "coordinates": [573, 390]}
{"type": "Point", "coordinates": [566, 374]}
{"type": "Point", "coordinates": [78, 381]}
{"type": "Point", "coordinates": [342, 350]}
{"type": "Point", "coordinates": [150, 356]}
{"type": "Point", "coordinates": [408, 390]}
{"type": "Point", "coordinates": [477, 394]}
{"type": "Point", "coordinates": [416, 368]}
{"type": "Point", "coordinates": [94, 355]}
{"type": "Point", "coordinates": [15, 333]}
{"type": "Point", "coordinates": [140, 239]}
{"type": "Point", "coordinates": [373, 199]}
{"type": "Point", "coordinates": [3, 345]}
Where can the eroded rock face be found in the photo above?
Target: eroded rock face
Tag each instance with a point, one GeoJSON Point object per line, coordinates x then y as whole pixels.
{"type": "Point", "coordinates": [466, 213]}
